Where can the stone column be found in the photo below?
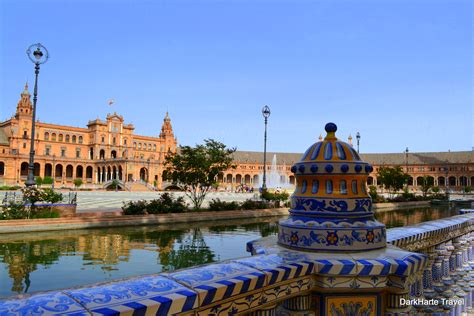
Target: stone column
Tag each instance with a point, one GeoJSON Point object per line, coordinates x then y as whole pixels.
{"type": "Point", "coordinates": [297, 306]}
{"type": "Point", "coordinates": [97, 176]}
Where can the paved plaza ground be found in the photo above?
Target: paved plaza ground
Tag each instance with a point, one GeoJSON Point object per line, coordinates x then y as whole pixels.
{"type": "Point", "coordinates": [101, 201]}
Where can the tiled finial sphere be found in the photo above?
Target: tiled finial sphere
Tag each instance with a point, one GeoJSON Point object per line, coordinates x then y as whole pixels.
{"type": "Point", "coordinates": [330, 208]}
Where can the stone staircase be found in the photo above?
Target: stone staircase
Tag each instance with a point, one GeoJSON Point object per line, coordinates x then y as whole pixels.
{"type": "Point", "coordinates": [139, 187]}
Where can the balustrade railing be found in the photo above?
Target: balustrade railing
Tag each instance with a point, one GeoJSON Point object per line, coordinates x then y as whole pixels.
{"type": "Point", "coordinates": [18, 198]}
{"type": "Point", "coordinates": [295, 283]}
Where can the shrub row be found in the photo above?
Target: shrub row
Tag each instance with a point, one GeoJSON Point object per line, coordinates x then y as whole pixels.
{"type": "Point", "coordinates": [20, 211]}
{"type": "Point", "coordinates": [169, 204]}
{"type": "Point", "coordinates": [165, 204]}
{"type": "Point", "coordinates": [9, 188]}
{"type": "Point", "coordinates": [218, 205]}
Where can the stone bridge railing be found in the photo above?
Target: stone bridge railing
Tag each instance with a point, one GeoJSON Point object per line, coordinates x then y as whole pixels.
{"type": "Point", "coordinates": [293, 283]}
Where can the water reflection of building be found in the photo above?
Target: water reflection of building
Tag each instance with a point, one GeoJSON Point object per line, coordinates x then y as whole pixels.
{"type": "Point", "coordinates": [408, 217]}
{"type": "Point", "coordinates": [23, 256]}
{"type": "Point", "coordinates": [104, 249]}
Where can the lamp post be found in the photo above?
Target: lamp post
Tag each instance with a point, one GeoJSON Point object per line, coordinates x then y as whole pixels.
{"type": "Point", "coordinates": [54, 167]}
{"type": "Point", "coordinates": [148, 171]}
{"type": "Point", "coordinates": [358, 140]}
{"type": "Point", "coordinates": [38, 54]}
{"type": "Point", "coordinates": [406, 159]}
{"type": "Point", "coordinates": [266, 114]}
{"type": "Point", "coordinates": [446, 182]}
{"type": "Point", "coordinates": [406, 165]}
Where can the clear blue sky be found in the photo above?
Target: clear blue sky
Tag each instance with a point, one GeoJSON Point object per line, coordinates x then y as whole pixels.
{"type": "Point", "coordinates": [398, 71]}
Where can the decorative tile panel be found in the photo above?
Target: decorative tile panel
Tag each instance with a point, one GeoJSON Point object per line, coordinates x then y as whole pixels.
{"type": "Point", "coordinates": [54, 303]}
{"type": "Point", "coordinates": [155, 295]}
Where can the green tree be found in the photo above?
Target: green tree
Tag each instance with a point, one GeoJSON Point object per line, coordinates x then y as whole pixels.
{"type": "Point", "coordinates": [467, 189]}
{"type": "Point", "coordinates": [195, 169]}
{"type": "Point", "coordinates": [77, 182]}
{"type": "Point", "coordinates": [47, 180]}
{"type": "Point", "coordinates": [39, 181]}
{"type": "Point", "coordinates": [393, 179]}
{"type": "Point", "coordinates": [426, 184]}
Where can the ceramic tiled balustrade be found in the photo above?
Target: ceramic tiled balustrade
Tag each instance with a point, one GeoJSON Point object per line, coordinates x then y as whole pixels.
{"type": "Point", "coordinates": [257, 285]}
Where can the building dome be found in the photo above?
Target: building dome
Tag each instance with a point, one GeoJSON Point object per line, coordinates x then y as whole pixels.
{"type": "Point", "coordinates": [330, 208]}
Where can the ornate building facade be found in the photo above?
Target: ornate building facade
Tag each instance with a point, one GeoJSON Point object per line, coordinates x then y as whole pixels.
{"type": "Point", "coordinates": [104, 150]}
{"type": "Point", "coordinates": [108, 149]}
{"type": "Point", "coordinates": [452, 169]}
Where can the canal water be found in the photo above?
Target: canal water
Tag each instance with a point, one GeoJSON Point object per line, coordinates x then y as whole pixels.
{"type": "Point", "coordinates": [56, 260]}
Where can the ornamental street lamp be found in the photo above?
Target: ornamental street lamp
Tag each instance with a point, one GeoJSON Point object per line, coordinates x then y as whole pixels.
{"type": "Point", "coordinates": [38, 54]}
{"type": "Point", "coordinates": [406, 159]}
{"type": "Point", "coordinates": [148, 171]}
{"type": "Point", "coordinates": [446, 181]}
{"type": "Point", "coordinates": [406, 166]}
{"type": "Point", "coordinates": [54, 167]}
{"type": "Point", "coordinates": [266, 114]}
{"type": "Point", "coordinates": [358, 140]}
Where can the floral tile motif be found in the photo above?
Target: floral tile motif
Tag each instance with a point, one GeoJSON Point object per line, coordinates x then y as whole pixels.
{"type": "Point", "coordinates": [220, 281]}
{"type": "Point", "coordinates": [351, 305]}
{"type": "Point", "coordinates": [54, 303]}
{"type": "Point", "coordinates": [350, 282]}
{"type": "Point", "coordinates": [155, 295]}
{"type": "Point", "coordinates": [287, 289]}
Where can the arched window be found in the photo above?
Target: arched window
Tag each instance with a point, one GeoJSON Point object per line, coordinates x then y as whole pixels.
{"type": "Point", "coordinates": [58, 171]}
{"type": "Point", "coordinates": [134, 145]}
{"type": "Point", "coordinates": [67, 138]}
{"type": "Point", "coordinates": [69, 171]}
{"type": "Point", "coordinates": [24, 169]}
{"type": "Point", "coordinates": [53, 136]}
{"type": "Point", "coordinates": [149, 147]}
{"type": "Point", "coordinates": [46, 136]}
{"type": "Point", "coordinates": [154, 147]}
{"type": "Point", "coordinates": [74, 138]}
{"type": "Point", "coordinates": [60, 137]}
{"type": "Point", "coordinates": [2, 168]}
{"type": "Point", "coordinates": [89, 172]}
{"type": "Point", "coordinates": [343, 187]}
{"type": "Point", "coordinates": [139, 146]}
{"type": "Point", "coordinates": [315, 187]}
{"type": "Point", "coordinates": [48, 170]}
{"type": "Point", "coordinates": [79, 171]}
{"type": "Point", "coordinates": [304, 186]}
{"type": "Point", "coordinates": [80, 139]}
{"type": "Point", "coordinates": [329, 186]}
{"type": "Point", "coordinates": [354, 186]}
